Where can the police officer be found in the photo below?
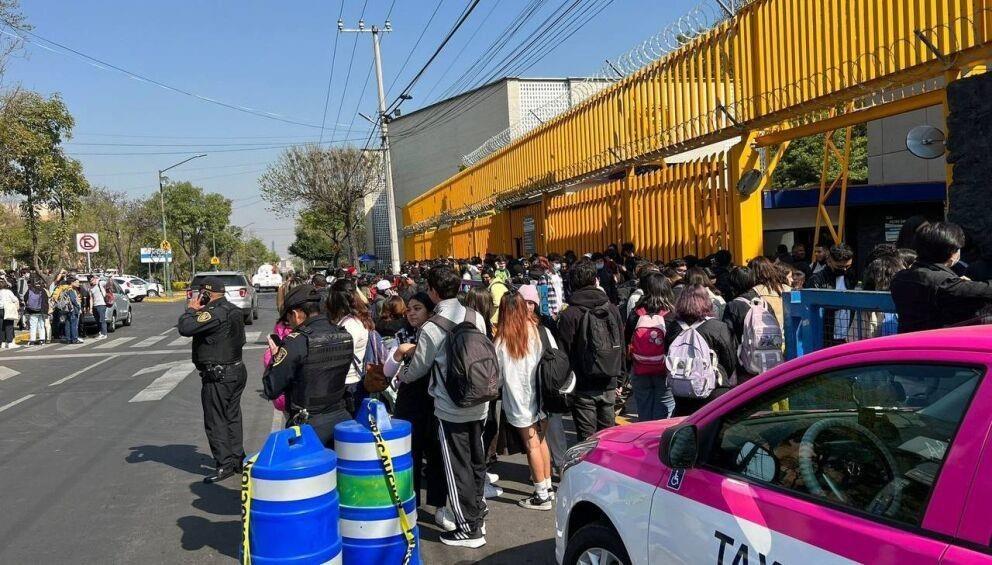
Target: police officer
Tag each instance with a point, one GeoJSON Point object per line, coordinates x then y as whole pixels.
{"type": "Point", "coordinates": [218, 332]}
{"type": "Point", "coordinates": [310, 365]}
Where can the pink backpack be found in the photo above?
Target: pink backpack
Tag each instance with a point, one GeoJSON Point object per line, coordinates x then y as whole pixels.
{"type": "Point", "coordinates": [647, 346]}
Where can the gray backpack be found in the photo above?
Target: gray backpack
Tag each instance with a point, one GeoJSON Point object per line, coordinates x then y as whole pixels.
{"type": "Point", "coordinates": [692, 366]}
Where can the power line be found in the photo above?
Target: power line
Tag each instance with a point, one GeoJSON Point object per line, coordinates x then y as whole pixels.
{"type": "Point", "coordinates": [104, 65]}
{"type": "Point", "coordinates": [447, 38]}
{"type": "Point", "coordinates": [416, 44]}
{"type": "Point", "coordinates": [212, 151]}
{"type": "Point", "coordinates": [347, 76]}
{"type": "Point", "coordinates": [330, 77]}
{"type": "Point", "coordinates": [460, 53]}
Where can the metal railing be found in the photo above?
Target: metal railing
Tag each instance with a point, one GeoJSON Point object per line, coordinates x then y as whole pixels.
{"type": "Point", "coordinates": [815, 319]}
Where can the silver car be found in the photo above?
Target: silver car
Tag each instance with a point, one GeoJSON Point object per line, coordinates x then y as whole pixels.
{"type": "Point", "coordinates": [236, 288]}
{"type": "Point", "coordinates": [118, 311]}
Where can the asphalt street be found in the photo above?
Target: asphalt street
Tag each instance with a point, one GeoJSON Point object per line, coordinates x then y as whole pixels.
{"type": "Point", "coordinates": [102, 455]}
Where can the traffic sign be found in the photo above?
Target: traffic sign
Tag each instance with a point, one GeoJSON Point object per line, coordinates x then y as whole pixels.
{"type": "Point", "coordinates": [155, 255]}
{"type": "Point", "coordinates": [214, 261]}
{"type": "Point", "coordinates": [165, 245]}
{"type": "Point", "coordinates": [87, 242]}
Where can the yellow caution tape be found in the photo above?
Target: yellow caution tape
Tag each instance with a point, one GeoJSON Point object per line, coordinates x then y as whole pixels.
{"type": "Point", "coordinates": [387, 466]}
{"type": "Point", "coordinates": [246, 505]}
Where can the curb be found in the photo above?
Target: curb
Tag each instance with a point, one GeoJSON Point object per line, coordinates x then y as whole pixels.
{"type": "Point", "coordinates": [165, 300]}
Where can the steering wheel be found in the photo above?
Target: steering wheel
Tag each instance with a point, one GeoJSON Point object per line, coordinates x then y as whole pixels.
{"type": "Point", "coordinates": [886, 502]}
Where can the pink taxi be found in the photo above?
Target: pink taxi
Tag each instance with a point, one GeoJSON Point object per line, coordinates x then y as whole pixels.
{"type": "Point", "coordinates": [874, 452]}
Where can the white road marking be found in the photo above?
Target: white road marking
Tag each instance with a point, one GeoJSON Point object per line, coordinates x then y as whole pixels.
{"type": "Point", "coordinates": [16, 402]}
{"type": "Point", "coordinates": [81, 371]}
{"type": "Point", "coordinates": [160, 367]}
{"type": "Point", "coordinates": [164, 384]}
{"type": "Point", "coordinates": [112, 342]}
{"type": "Point", "coordinates": [7, 372]}
{"type": "Point", "coordinates": [148, 342]}
{"type": "Point", "coordinates": [122, 353]}
{"type": "Point", "coordinates": [76, 346]}
{"type": "Point", "coordinates": [252, 337]}
{"type": "Point", "coordinates": [168, 331]}
{"type": "Point", "coordinates": [181, 341]}
{"type": "Point", "coordinates": [278, 420]}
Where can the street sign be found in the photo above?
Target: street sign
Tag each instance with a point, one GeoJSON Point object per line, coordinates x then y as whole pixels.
{"type": "Point", "coordinates": [165, 245]}
{"type": "Point", "coordinates": [87, 242]}
{"type": "Point", "coordinates": [214, 261]}
{"type": "Point", "coordinates": [155, 255]}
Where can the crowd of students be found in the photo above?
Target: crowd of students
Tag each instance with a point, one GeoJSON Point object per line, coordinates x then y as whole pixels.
{"type": "Point", "coordinates": [570, 335]}
{"type": "Point", "coordinates": [49, 306]}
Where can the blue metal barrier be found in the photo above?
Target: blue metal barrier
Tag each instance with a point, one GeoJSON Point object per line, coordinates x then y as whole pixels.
{"type": "Point", "coordinates": [805, 314]}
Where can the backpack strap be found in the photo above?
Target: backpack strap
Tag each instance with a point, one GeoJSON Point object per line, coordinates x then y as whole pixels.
{"type": "Point", "coordinates": [446, 325]}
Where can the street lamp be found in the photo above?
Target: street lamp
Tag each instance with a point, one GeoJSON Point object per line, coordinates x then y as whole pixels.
{"type": "Point", "coordinates": [165, 237]}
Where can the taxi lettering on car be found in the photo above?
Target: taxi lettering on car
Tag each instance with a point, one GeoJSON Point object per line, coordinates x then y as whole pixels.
{"type": "Point", "coordinates": [873, 452]}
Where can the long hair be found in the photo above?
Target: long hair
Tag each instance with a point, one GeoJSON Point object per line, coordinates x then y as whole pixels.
{"type": "Point", "coordinates": [515, 321]}
{"type": "Point", "coordinates": [694, 304]}
{"type": "Point", "coordinates": [480, 299]}
{"type": "Point", "coordinates": [658, 294]}
{"type": "Point", "coordinates": [394, 309]}
{"type": "Point", "coordinates": [698, 275]}
{"type": "Point", "coordinates": [343, 301]}
{"type": "Point", "coordinates": [766, 273]}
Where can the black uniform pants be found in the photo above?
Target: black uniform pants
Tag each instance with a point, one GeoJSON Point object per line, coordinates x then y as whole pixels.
{"type": "Point", "coordinates": [222, 416]}
{"type": "Point", "coordinates": [464, 458]}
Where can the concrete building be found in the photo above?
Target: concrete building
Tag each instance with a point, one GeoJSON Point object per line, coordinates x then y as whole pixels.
{"type": "Point", "coordinates": [432, 144]}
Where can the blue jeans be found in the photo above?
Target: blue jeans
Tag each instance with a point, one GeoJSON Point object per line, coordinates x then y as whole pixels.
{"type": "Point", "coordinates": [72, 326]}
{"type": "Point", "coordinates": [653, 397]}
{"type": "Point", "coordinates": [100, 313]}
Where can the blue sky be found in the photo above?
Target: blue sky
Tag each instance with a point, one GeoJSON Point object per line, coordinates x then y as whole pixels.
{"type": "Point", "coordinates": [271, 56]}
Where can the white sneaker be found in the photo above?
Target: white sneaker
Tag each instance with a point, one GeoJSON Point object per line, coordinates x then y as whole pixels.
{"type": "Point", "coordinates": [445, 519]}
{"type": "Point", "coordinates": [493, 477]}
{"type": "Point", "coordinates": [12, 345]}
{"type": "Point", "coordinates": [492, 491]}
{"type": "Point", "coordinates": [100, 336]}
{"type": "Point", "coordinates": [535, 502]}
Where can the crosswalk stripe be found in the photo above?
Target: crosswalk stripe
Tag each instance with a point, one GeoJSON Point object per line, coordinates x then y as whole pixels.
{"type": "Point", "coordinates": [181, 341]}
{"type": "Point", "coordinates": [16, 402]}
{"type": "Point", "coordinates": [7, 372]}
{"type": "Point", "coordinates": [252, 337]}
{"type": "Point", "coordinates": [113, 342]}
{"type": "Point", "coordinates": [164, 384]}
{"type": "Point", "coordinates": [75, 346]}
{"type": "Point", "coordinates": [149, 341]}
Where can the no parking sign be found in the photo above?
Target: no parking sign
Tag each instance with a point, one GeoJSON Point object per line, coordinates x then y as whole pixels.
{"type": "Point", "coordinates": [87, 242]}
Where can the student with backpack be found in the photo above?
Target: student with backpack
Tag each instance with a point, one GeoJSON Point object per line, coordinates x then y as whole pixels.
{"type": "Point", "coordinates": [519, 348]}
{"type": "Point", "coordinates": [9, 312]}
{"type": "Point", "coordinates": [756, 319]}
{"type": "Point", "coordinates": [71, 311]}
{"type": "Point", "coordinates": [647, 326]}
{"type": "Point", "coordinates": [98, 305]}
{"type": "Point", "coordinates": [346, 309]}
{"type": "Point", "coordinates": [592, 332]}
{"type": "Point", "coordinates": [453, 351]}
{"type": "Point", "coordinates": [700, 352]}
{"type": "Point", "coordinates": [36, 307]}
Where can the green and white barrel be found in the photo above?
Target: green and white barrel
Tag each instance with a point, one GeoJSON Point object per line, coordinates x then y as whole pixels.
{"type": "Point", "coordinates": [371, 528]}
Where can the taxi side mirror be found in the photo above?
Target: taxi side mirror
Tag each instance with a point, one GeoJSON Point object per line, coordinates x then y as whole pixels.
{"type": "Point", "coordinates": [679, 446]}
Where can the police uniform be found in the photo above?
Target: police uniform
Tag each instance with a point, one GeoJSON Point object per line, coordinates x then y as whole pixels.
{"type": "Point", "coordinates": [218, 334]}
{"type": "Point", "coordinates": [310, 367]}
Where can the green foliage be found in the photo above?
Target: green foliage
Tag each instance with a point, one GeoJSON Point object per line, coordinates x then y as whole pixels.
{"type": "Point", "coordinates": [312, 240]}
{"type": "Point", "coordinates": [192, 217]}
{"type": "Point", "coordinates": [803, 160]}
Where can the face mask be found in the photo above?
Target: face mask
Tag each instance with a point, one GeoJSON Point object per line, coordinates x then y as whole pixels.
{"type": "Point", "coordinates": [599, 265]}
{"type": "Point", "coordinates": [557, 266]}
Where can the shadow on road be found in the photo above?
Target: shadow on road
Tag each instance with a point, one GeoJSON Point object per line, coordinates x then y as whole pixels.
{"type": "Point", "coordinates": [199, 532]}
{"type": "Point", "coordinates": [184, 457]}
{"type": "Point", "coordinates": [538, 552]}
{"type": "Point", "coordinates": [216, 499]}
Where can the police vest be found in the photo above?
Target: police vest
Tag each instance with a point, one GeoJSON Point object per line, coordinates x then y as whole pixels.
{"type": "Point", "coordinates": [330, 354]}
{"type": "Point", "coordinates": [223, 345]}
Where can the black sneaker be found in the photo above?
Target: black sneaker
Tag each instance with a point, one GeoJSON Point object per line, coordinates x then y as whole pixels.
{"type": "Point", "coordinates": [219, 475]}
{"type": "Point", "coordinates": [471, 539]}
{"type": "Point", "coordinates": [535, 502]}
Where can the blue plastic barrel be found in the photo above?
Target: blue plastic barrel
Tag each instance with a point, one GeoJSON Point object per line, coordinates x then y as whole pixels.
{"type": "Point", "coordinates": [370, 524]}
{"type": "Point", "coordinates": [294, 501]}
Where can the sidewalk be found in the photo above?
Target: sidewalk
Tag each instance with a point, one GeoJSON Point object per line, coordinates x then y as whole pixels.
{"type": "Point", "coordinates": [177, 297]}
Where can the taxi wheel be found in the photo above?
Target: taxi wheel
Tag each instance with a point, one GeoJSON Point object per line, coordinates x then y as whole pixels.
{"type": "Point", "coordinates": [596, 544]}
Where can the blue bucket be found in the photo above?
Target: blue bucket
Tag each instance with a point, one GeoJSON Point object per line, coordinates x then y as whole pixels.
{"type": "Point", "coordinates": [370, 525]}
{"type": "Point", "coordinates": [294, 501]}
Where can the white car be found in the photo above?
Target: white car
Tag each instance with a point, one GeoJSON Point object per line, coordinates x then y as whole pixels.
{"type": "Point", "coordinates": [267, 277]}
{"type": "Point", "coordinates": [135, 288]}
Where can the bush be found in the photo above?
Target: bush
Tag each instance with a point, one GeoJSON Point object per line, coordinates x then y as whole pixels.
{"type": "Point", "coordinates": [179, 285]}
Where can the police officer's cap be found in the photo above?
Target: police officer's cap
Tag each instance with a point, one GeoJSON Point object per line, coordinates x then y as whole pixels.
{"type": "Point", "coordinates": [299, 296]}
{"type": "Point", "coordinates": [213, 284]}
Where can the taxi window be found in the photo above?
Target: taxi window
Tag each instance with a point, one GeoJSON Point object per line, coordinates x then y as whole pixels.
{"type": "Point", "coordinates": [869, 438]}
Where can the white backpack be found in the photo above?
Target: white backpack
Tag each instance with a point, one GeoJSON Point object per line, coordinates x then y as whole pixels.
{"type": "Point", "coordinates": [693, 370]}
{"type": "Point", "coordinates": [761, 342]}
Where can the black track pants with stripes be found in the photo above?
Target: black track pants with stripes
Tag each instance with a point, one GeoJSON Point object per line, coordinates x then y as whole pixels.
{"type": "Point", "coordinates": [463, 456]}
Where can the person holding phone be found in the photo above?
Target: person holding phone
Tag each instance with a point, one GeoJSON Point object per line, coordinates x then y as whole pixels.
{"type": "Point", "coordinates": [310, 365]}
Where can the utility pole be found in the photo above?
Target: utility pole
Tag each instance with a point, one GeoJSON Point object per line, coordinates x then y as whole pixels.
{"type": "Point", "coordinates": [394, 250]}
{"type": "Point", "coordinates": [165, 235]}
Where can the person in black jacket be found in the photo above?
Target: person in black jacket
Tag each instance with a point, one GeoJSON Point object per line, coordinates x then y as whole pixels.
{"type": "Point", "coordinates": [930, 295]}
{"type": "Point", "coordinates": [593, 397]}
{"type": "Point", "coordinates": [840, 260]}
{"type": "Point", "coordinates": [693, 305]}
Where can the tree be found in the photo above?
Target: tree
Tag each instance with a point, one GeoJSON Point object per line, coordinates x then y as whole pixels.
{"type": "Point", "coordinates": [33, 165]}
{"type": "Point", "coordinates": [11, 16]}
{"type": "Point", "coordinates": [193, 216]}
{"type": "Point", "coordinates": [313, 242]}
{"type": "Point", "coordinates": [803, 160]}
{"type": "Point", "coordinates": [333, 182]}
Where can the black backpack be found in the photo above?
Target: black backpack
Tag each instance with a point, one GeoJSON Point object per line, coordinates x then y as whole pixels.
{"type": "Point", "coordinates": [554, 372]}
{"type": "Point", "coordinates": [473, 371]}
{"type": "Point", "coordinates": [600, 344]}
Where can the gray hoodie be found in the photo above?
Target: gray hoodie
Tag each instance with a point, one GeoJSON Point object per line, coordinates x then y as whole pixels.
{"type": "Point", "coordinates": [430, 353]}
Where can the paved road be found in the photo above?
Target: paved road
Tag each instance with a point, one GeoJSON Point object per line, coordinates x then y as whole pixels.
{"type": "Point", "coordinates": [102, 455]}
